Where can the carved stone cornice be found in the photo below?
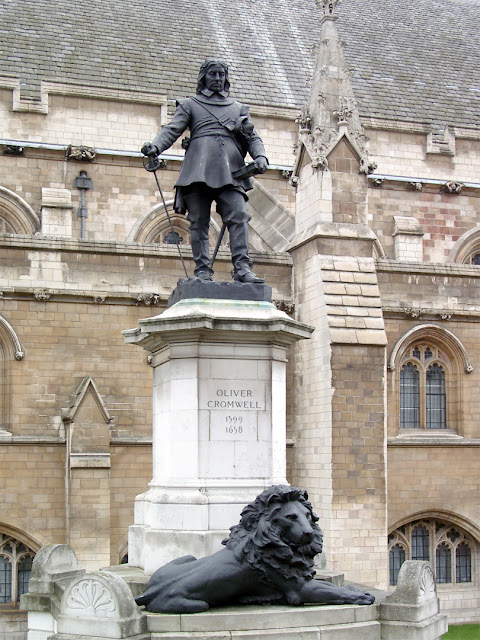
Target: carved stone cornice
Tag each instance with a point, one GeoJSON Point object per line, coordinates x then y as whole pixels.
{"type": "Point", "coordinates": [42, 294]}
{"type": "Point", "coordinates": [80, 153]}
{"type": "Point", "coordinates": [413, 313]}
{"type": "Point", "coordinates": [453, 187]}
{"type": "Point", "coordinates": [148, 299]}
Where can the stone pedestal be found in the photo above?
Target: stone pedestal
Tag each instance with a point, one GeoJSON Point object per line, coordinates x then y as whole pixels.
{"type": "Point", "coordinates": [219, 421]}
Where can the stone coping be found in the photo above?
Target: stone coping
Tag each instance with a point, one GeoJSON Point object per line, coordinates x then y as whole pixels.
{"type": "Point", "coordinates": [235, 320]}
{"type": "Point", "coordinates": [50, 243]}
{"type": "Point", "coordinates": [450, 269]}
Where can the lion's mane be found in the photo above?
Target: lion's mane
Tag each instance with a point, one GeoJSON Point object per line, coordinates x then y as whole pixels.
{"type": "Point", "coordinates": [257, 541]}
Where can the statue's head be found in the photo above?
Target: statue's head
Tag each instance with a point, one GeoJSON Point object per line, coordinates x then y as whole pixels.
{"type": "Point", "coordinates": [213, 75]}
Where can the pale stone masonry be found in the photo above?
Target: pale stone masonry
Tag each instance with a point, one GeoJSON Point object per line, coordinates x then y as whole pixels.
{"type": "Point", "coordinates": [366, 227]}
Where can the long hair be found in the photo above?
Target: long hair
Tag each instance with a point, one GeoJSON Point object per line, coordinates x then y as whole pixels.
{"type": "Point", "coordinates": [203, 72]}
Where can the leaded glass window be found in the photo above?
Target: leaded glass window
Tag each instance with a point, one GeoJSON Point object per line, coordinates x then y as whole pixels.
{"type": "Point", "coordinates": [463, 563]}
{"type": "Point", "coordinates": [423, 387]}
{"type": "Point", "coordinates": [436, 398]}
{"type": "Point", "coordinates": [15, 568]}
{"type": "Point", "coordinates": [5, 579]}
{"type": "Point", "coordinates": [444, 563]}
{"type": "Point", "coordinates": [397, 558]}
{"type": "Point", "coordinates": [420, 543]}
{"type": "Point", "coordinates": [24, 570]}
{"type": "Point", "coordinates": [409, 397]}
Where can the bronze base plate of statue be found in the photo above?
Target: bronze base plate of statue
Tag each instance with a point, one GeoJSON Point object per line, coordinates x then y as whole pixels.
{"type": "Point", "coordinates": [196, 288]}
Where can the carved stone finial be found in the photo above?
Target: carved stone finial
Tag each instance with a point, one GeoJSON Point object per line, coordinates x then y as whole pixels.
{"type": "Point", "coordinates": [344, 112]}
{"type": "Point", "coordinates": [304, 121]}
{"type": "Point", "coordinates": [329, 6]}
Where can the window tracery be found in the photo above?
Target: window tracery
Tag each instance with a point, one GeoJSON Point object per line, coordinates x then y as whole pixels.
{"type": "Point", "coordinates": [16, 560]}
{"type": "Point", "coordinates": [449, 550]}
{"type": "Point", "coordinates": [424, 372]}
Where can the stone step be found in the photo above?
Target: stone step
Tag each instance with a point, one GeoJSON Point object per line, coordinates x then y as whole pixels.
{"type": "Point", "coordinates": [334, 621]}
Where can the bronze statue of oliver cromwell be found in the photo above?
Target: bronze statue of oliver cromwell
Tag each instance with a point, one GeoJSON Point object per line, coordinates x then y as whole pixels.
{"type": "Point", "coordinates": [221, 134]}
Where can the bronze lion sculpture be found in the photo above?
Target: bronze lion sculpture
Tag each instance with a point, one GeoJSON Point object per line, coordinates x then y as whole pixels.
{"type": "Point", "coordinates": [268, 558]}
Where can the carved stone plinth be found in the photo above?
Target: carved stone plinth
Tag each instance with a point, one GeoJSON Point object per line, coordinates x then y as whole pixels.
{"type": "Point", "coordinates": [219, 433]}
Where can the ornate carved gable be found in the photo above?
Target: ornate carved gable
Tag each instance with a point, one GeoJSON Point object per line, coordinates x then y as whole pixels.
{"type": "Point", "coordinates": [331, 112]}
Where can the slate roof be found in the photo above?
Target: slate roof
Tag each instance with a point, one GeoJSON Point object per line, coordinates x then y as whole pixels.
{"type": "Point", "coordinates": [414, 60]}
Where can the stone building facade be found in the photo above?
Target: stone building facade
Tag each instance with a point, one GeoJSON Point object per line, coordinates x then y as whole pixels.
{"type": "Point", "coordinates": [366, 226]}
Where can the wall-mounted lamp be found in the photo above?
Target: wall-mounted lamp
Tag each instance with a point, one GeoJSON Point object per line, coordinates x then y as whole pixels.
{"type": "Point", "coordinates": [84, 183]}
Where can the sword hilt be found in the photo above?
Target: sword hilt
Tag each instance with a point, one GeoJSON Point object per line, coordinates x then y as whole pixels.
{"type": "Point", "coordinates": [152, 162]}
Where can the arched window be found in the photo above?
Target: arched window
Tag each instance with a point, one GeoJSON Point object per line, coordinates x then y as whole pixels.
{"type": "Point", "coordinates": [409, 396]}
{"type": "Point", "coordinates": [442, 544]}
{"type": "Point", "coordinates": [16, 215]}
{"type": "Point", "coordinates": [15, 568]}
{"type": "Point", "coordinates": [463, 563]}
{"type": "Point", "coordinates": [397, 558]}
{"type": "Point", "coordinates": [5, 579]}
{"type": "Point", "coordinates": [423, 387]}
{"type": "Point", "coordinates": [444, 563]}
{"type": "Point", "coordinates": [420, 543]}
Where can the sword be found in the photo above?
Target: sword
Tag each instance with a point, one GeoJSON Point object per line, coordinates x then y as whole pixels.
{"type": "Point", "coordinates": [152, 163]}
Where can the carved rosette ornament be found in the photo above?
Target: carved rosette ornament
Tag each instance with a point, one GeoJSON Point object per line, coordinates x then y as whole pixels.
{"type": "Point", "coordinates": [91, 598]}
